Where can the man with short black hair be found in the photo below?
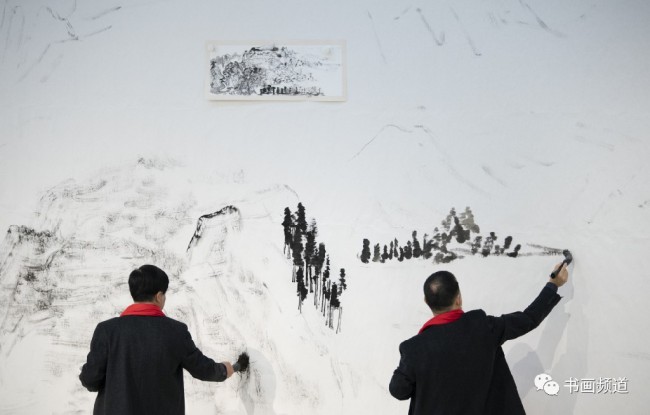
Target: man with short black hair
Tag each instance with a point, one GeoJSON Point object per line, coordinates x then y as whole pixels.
{"type": "Point", "coordinates": [136, 361]}
{"type": "Point", "coordinates": [455, 365]}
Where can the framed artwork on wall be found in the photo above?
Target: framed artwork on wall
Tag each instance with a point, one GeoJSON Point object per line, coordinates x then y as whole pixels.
{"type": "Point", "coordinates": [295, 70]}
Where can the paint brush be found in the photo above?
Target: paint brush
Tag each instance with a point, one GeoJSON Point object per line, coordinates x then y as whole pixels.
{"type": "Point", "coordinates": [241, 365]}
{"type": "Point", "coordinates": [568, 258]}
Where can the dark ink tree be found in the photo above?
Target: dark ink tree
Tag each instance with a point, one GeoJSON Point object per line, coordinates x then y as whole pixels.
{"type": "Point", "coordinates": [318, 265]}
{"type": "Point", "coordinates": [384, 256]}
{"type": "Point", "coordinates": [287, 225]}
{"type": "Point", "coordinates": [311, 264]}
{"type": "Point", "coordinates": [514, 253]}
{"type": "Point", "coordinates": [334, 304]}
{"type": "Point", "coordinates": [476, 245]}
{"type": "Point", "coordinates": [326, 298]}
{"type": "Point", "coordinates": [467, 221]}
{"type": "Point", "coordinates": [296, 249]}
{"type": "Point", "coordinates": [408, 250]}
{"type": "Point", "coordinates": [417, 250]}
{"type": "Point", "coordinates": [449, 220]}
{"type": "Point", "coordinates": [489, 243]}
{"type": "Point", "coordinates": [365, 252]}
{"type": "Point", "coordinates": [326, 283]}
{"type": "Point", "coordinates": [315, 277]}
{"type": "Point", "coordinates": [376, 256]}
{"type": "Point", "coordinates": [436, 239]}
{"type": "Point", "coordinates": [320, 258]}
{"type": "Point", "coordinates": [506, 244]}
{"type": "Point", "coordinates": [301, 220]}
{"type": "Point", "coordinates": [342, 285]}
{"type": "Point", "coordinates": [427, 247]}
{"type": "Point", "coordinates": [449, 241]}
{"type": "Point", "coordinates": [300, 287]}
{"type": "Point", "coordinates": [461, 234]}
{"type": "Point", "coordinates": [310, 251]}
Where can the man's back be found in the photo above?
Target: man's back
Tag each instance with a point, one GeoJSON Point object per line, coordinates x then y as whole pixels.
{"type": "Point", "coordinates": [451, 363]}
{"type": "Point", "coordinates": [136, 364]}
{"type": "Point", "coordinates": [459, 367]}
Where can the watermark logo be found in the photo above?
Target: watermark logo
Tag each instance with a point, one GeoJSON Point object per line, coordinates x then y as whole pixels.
{"type": "Point", "coordinates": [601, 385]}
{"type": "Point", "coordinates": [598, 385]}
{"type": "Point", "coordinates": [547, 384]}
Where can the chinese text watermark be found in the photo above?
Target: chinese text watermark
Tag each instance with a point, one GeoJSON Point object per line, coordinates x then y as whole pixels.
{"type": "Point", "coordinates": [600, 385]}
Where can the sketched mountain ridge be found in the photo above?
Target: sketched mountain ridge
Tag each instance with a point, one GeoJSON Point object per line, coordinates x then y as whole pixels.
{"type": "Point", "coordinates": [68, 271]}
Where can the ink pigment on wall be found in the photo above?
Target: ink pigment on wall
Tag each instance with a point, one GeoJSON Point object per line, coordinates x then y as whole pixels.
{"type": "Point", "coordinates": [114, 153]}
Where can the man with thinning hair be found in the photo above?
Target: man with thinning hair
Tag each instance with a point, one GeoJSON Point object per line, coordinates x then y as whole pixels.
{"type": "Point", "coordinates": [455, 365]}
{"type": "Point", "coordinates": [136, 361]}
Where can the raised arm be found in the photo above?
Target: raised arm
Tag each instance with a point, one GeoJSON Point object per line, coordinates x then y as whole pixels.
{"type": "Point", "coordinates": [510, 326]}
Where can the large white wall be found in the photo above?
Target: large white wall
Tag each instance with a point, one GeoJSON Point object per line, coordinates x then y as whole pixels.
{"type": "Point", "coordinates": [534, 113]}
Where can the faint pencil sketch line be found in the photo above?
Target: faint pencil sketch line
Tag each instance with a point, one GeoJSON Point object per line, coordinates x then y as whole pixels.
{"type": "Point", "coordinates": [438, 42]}
{"type": "Point", "coordinates": [406, 10]}
{"type": "Point", "coordinates": [96, 32]}
{"type": "Point", "coordinates": [4, 13]}
{"type": "Point", "coordinates": [289, 188]}
{"type": "Point", "coordinates": [8, 38]}
{"type": "Point", "coordinates": [374, 30]}
{"type": "Point", "coordinates": [445, 159]}
{"type": "Point", "coordinates": [55, 15]}
{"type": "Point", "coordinates": [489, 172]}
{"type": "Point", "coordinates": [73, 37]}
{"type": "Point", "coordinates": [377, 135]}
{"type": "Point", "coordinates": [467, 36]}
{"type": "Point", "coordinates": [105, 12]}
{"type": "Point", "coordinates": [540, 22]}
{"type": "Point", "coordinates": [21, 32]}
{"type": "Point", "coordinates": [543, 163]}
{"type": "Point", "coordinates": [69, 28]}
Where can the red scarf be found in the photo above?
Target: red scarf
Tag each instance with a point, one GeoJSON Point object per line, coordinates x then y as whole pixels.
{"type": "Point", "coordinates": [444, 318]}
{"type": "Point", "coordinates": [143, 309]}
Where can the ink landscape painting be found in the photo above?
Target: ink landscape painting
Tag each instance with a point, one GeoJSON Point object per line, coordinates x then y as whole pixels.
{"type": "Point", "coordinates": [276, 71]}
{"type": "Point", "coordinates": [482, 138]}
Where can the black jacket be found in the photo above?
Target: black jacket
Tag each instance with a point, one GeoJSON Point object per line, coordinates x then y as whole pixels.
{"type": "Point", "coordinates": [459, 368]}
{"type": "Point", "coordinates": [136, 364]}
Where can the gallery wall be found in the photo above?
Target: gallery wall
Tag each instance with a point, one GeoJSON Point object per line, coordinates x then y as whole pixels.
{"type": "Point", "coordinates": [532, 113]}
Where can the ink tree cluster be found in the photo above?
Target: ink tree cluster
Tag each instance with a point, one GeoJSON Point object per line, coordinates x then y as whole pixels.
{"type": "Point", "coordinates": [457, 235]}
{"type": "Point", "coordinates": [311, 266]}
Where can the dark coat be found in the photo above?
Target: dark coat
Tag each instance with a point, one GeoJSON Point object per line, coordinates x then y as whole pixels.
{"type": "Point", "coordinates": [459, 368]}
{"type": "Point", "coordinates": [136, 364]}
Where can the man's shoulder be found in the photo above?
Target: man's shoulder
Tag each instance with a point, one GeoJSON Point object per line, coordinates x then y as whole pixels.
{"type": "Point", "coordinates": [472, 317]}
{"type": "Point", "coordinates": [129, 320]}
{"type": "Point", "coordinates": [179, 325]}
{"type": "Point", "coordinates": [107, 324]}
{"type": "Point", "coordinates": [474, 314]}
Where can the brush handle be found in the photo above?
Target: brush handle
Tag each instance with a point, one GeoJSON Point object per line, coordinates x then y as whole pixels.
{"type": "Point", "coordinates": [557, 271]}
{"type": "Point", "coordinates": [567, 260]}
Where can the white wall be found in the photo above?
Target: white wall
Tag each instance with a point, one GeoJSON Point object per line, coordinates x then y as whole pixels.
{"type": "Point", "coordinates": [534, 113]}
